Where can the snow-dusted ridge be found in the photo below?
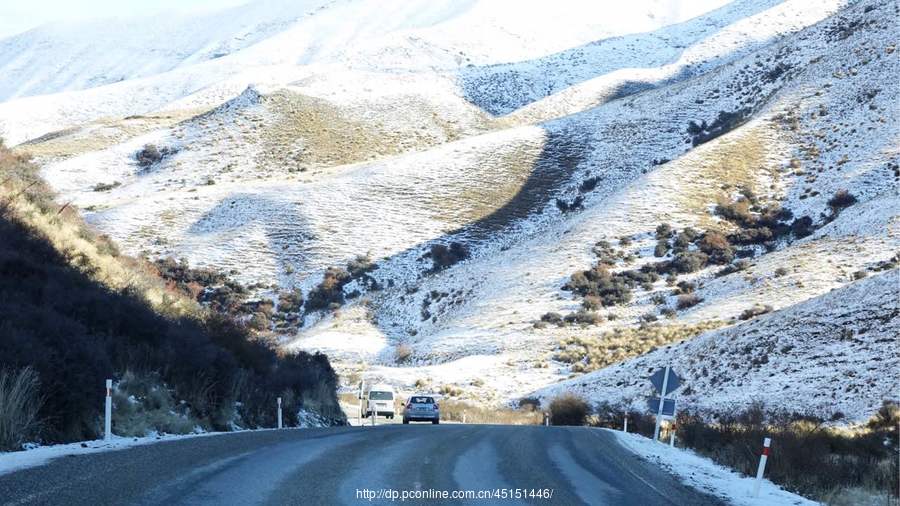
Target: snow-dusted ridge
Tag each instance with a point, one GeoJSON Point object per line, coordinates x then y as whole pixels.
{"type": "Point", "coordinates": [313, 138]}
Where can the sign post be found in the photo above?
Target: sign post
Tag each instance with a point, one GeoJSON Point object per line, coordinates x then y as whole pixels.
{"type": "Point", "coordinates": [279, 413]}
{"type": "Point", "coordinates": [762, 465]}
{"type": "Point", "coordinates": [360, 398]}
{"type": "Point", "coordinates": [107, 414]}
{"type": "Point", "coordinates": [665, 381]}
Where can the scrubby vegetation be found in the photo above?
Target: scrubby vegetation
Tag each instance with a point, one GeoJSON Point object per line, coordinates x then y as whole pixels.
{"type": "Point", "coordinates": [150, 155]}
{"type": "Point", "coordinates": [589, 353]}
{"type": "Point", "coordinates": [568, 409]}
{"type": "Point", "coordinates": [329, 294]}
{"type": "Point", "coordinates": [443, 256]}
{"type": "Point", "coordinates": [453, 410]}
{"type": "Point", "coordinates": [75, 312]}
{"type": "Point", "coordinates": [857, 465]}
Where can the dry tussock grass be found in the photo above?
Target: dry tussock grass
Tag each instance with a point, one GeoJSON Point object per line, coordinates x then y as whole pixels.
{"type": "Point", "coordinates": [589, 353]}
{"type": "Point", "coordinates": [453, 410]}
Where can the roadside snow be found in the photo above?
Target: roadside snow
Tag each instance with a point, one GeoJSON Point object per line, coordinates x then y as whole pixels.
{"type": "Point", "coordinates": [703, 474]}
{"type": "Point", "coordinates": [40, 455]}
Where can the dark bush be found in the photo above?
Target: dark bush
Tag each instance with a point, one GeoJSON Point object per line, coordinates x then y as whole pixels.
{"type": "Point", "coordinates": [802, 227]}
{"type": "Point", "coordinates": [76, 333]}
{"type": "Point", "coordinates": [589, 184]}
{"type": "Point", "coordinates": [662, 247]}
{"type": "Point", "coordinates": [740, 265]}
{"type": "Point", "coordinates": [807, 457]}
{"type": "Point", "coordinates": [568, 409]}
{"type": "Point", "coordinates": [687, 262]}
{"type": "Point", "coordinates": [329, 291]}
{"type": "Point", "coordinates": [841, 199]}
{"type": "Point", "coordinates": [584, 317]}
{"type": "Point", "coordinates": [755, 311]}
{"type": "Point", "coordinates": [717, 247]}
{"type": "Point", "coordinates": [686, 287]}
{"type": "Point", "coordinates": [150, 155]}
{"type": "Point", "coordinates": [664, 231]}
{"type": "Point", "coordinates": [552, 317]}
{"type": "Point", "coordinates": [443, 256]}
{"type": "Point", "coordinates": [687, 300]}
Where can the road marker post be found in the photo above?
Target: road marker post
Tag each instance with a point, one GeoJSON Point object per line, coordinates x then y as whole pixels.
{"type": "Point", "coordinates": [279, 413]}
{"type": "Point", "coordinates": [625, 429]}
{"type": "Point", "coordinates": [762, 465]}
{"type": "Point", "coordinates": [672, 434]}
{"type": "Point", "coordinates": [662, 399]}
{"type": "Point", "coordinates": [107, 413]}
{"type": "Point", "coordinates": [360, 398]}
{"type": "Point", "coordinates": [464, 417]}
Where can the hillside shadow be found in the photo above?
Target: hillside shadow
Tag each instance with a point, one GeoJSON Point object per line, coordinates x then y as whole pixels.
{"type": "Point", "coordinates": [500, 89]}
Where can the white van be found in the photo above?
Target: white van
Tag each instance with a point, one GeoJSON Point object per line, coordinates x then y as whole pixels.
{"type": "Point", "coordinates": [380, 400]}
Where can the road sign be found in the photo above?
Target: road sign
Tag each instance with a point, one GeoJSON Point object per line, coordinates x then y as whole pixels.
{"type": "Point", "coordinates": [658, 379]}
{"type": "Point", "coordinates": [668, 406]}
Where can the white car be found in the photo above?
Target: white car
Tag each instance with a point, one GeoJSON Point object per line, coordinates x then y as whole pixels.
{"type": "Point", "coordinates": [380, 401]}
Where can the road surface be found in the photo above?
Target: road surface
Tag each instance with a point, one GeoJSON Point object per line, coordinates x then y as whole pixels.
{"type": "Point", "coordinates": [360, 465]}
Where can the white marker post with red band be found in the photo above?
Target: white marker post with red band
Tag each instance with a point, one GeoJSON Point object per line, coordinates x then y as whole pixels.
{"type": "Point", "coordinates": [107, 416]}
{"type": "Point", "coordinates": [762, 466]}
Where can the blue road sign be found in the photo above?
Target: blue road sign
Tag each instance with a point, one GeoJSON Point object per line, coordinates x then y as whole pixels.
{"type": "Point", "coordinates": [672, 385]}
{"type": "Point", "coordinates": [668, 406]}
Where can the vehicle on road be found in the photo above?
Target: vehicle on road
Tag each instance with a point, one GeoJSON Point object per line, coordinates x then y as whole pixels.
{"type": "Point", "coordinates": [421, 408]}
{"type": "Point", "coordinates": [380, 401]}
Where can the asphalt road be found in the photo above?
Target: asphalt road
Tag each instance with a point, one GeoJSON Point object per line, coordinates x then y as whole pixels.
{"type": "Point", "coordinates": [337, 465]}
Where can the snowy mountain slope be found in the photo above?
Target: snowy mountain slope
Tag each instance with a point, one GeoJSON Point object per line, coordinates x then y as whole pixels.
{"type": "Point", "coordinates": [835, 353]}
{"type": "Point", "coordinates": [86, 54]}
{"type": "Point", "coordinates": [326, 139]}
{"type": "Point", "coordinates": [387, 36]}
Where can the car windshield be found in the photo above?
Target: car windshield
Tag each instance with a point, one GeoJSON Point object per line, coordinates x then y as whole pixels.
{"type": "Point", "coordinates": [381, 396]}
{"type": "Point", "coordinates": [422, 400]}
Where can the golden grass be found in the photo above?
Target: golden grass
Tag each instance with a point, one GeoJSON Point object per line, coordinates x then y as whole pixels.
{"type": "Point", "coordinates": [589, 353]}
{"type": "Point", "coordinates": [724, 166]}
{"type": "Point", "coordinates": [87, 251]}
{"type": "Point", "coordinates": [454, 410]}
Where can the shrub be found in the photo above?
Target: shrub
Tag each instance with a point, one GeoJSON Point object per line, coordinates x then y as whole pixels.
{"type": "Point", "coordinates": [662, 247]}
{"type": "Point", "coordinates": [291, 302]}
{"type": "Point", "coordinates": [687, 300]}
{"type": "Point", "coordinates": [552, 317]}
{"type": "Point", "coordinates": [755, 311]}
{"type": "Point", "coordinates": [687, 262]}
{"type": "Point", "coordinates": [568, 409]}
{"type": "Point", "coordinates": [443, 256]}
{"type": "Point", "coordinates": [150, 154]}
{"type": "Point", "coordinates": [105, 187]}
{"type": "Point", "coordinates": [802, 227]}
{"type": "Point", "coordinates": [740, 265]}
{"type": "Point", "coordinates": [329, 291]}
{"type": "Point", "coordinates": [686, 287]}
{"type": "Point", "coordinates": [842, 459]}
{"type": "Point", "coordinates": [664, 231]}
{"type": "Point", "coordinates": [781, 271]}
{"type": "Point", "coordinates": [684, 239]}
{"type": "Point", "coordinates": [592, 302]}
{"type": "Point", "coordinates": [737, 212]}
{"type": "Point", "coordinates": [20, 403]}
{"type": "Point", "coordinates": [717, 247]}
{"type": "Point", "coordinates": [584, 317]}
{"type": "Point", "coordinates": [402, 354]}
{"type": "Point", "coordinates": [841, 199]}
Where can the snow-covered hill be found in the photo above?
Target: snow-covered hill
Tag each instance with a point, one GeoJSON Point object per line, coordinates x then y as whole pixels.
{"type": "Point", "coordinates": [297, 136]}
